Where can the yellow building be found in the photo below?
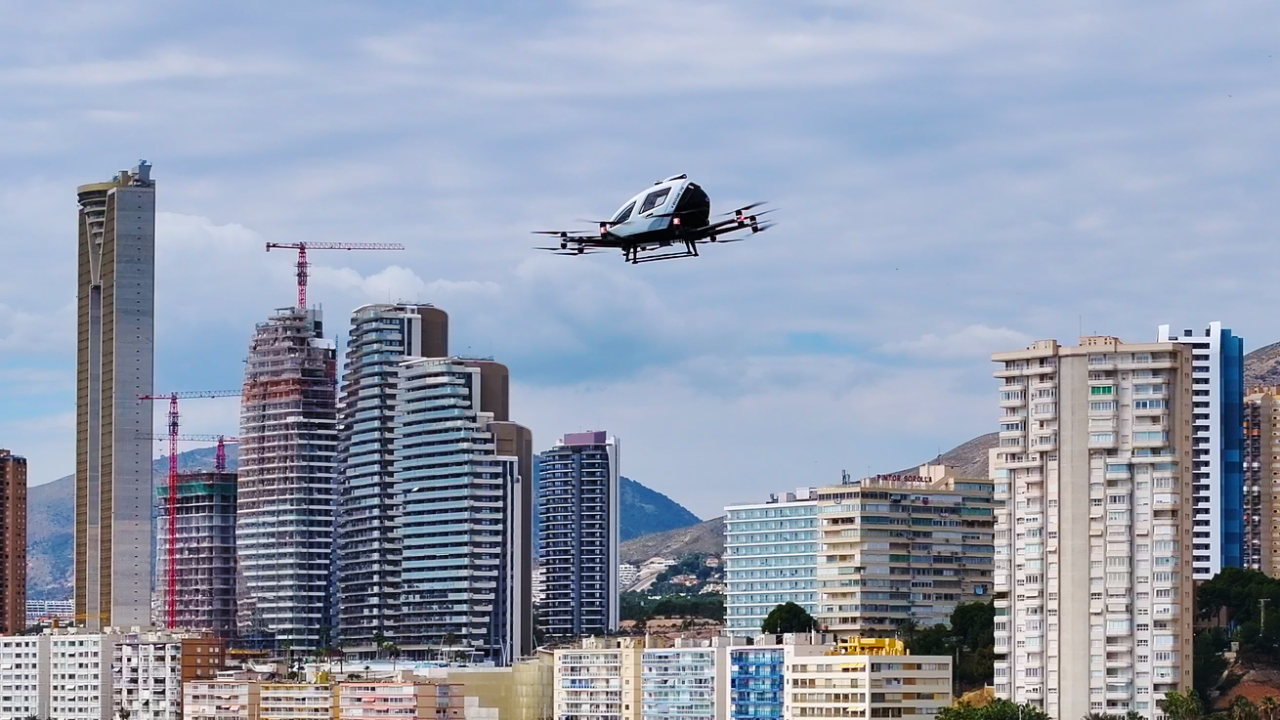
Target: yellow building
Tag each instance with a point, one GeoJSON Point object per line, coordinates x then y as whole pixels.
{"type": "Point", "coordinates": [520, 692]}
{"type": "Point", "coordinates": [601, 679]}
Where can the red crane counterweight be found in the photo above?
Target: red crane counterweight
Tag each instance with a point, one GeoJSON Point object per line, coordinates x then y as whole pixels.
{"type": "Point", "coordinates": [302, 248]}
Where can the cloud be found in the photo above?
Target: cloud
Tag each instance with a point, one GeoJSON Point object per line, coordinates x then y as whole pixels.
{"type": "Point", "coordinates": [974, 341]}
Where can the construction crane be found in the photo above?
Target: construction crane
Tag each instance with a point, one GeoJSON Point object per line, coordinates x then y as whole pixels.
{"type": "Point", "coordinates": [171, 600]}
{"type": "Point", "coordinates": [219, 459]}
{"type": "Point", "coordinates": [303, 247]}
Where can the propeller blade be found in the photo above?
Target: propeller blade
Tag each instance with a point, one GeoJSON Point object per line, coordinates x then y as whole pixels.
{"type": "Point", "coordinates": [594, 222]}
{"type": "Point", "coordinates": [764, 226]}
{"type": "Point", "coordinates": [562, 233]}
{"type": "Point", "coordinates": [731, 240]}
{"type": "Point", "coordinates": [745, 208]}
{"type": "Point", "coordinates": [556, 248]}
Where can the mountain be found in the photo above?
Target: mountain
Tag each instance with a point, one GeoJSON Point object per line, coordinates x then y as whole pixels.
{"type": "Point", "coordinates": [705, 538]}
{"type": "Point", "coordinates": [644, 511]}
{"type": "Point", "coordinates": [1262, 367]}
{"type": "Point", "coordinates": [51, 511]}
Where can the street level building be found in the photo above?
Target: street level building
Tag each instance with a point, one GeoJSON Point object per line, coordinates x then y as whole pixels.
{"type": "Point", "coordinates": [1217, 472]}
{"type": "Point", "coordinates": [206, 552]}
{"type": "Point", "coordinates": [368, 547]}
{"type": "Point", "coordinates": [865, 678]}
{"type": "Point", "coordinates": [1093, 477]}
{"type": "Point", "coordinates": [148, 668]}
{"type": "Point", "coordinates": [578, 514]}
{"type": "Point", "coordinates": [114, 363]}
{"type": "Point", "coordinates": [286, 479]}
{"type": "Point", "coordinates": [600, 679]}
{"type": "Point", "coordinates": [13, 543]}
{"type": "Point", "coordinates": [689, 680]}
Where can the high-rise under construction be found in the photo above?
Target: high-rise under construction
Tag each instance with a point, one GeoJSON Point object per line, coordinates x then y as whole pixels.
{"type": "Point", "coordinates": [114, 361]}
{"type": "Point", "coordinates": [285, 493]}
{"type": "Point", "coordinates": [205, 563]}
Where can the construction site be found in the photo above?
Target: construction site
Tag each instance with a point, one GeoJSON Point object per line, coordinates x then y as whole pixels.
{"type": "Point", "coordinates": [202, 576]}
{"type": "Point", "coordinates": [285, 501]}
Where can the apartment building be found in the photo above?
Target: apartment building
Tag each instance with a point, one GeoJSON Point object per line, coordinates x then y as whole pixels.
{"type": "Point", "coordinates": [686, 680]}
{"type": "Point", "coordinates": [600, 680]}
{"type": "Point", "coordinates": [25, 660]}
{"type": "Point", "coordinates": [464, 473]}
{"type": "Point", "coordinates": [402, 700]}
{"type": "Point", "coordinates": [757, 682]}
{"type": "Point", "coordinates": [148, 669]}
{"type": "Point", "coordinates": [13, 542]}
{"type": "Point", "coordinates": [770, 558]}
{"type": "Point", "coordinates": [221, 700]}
{"type": "Point", "coordinates": [865, 678]}
{"type": "Point", "coordinates": [297, 701]}
{"type": "Point", "coordinates": [578, 497]}
{"type": "Point", "coordinates": [78, 677]}
{"type": "Point", "coordinates": [1093, 476]}
{"type": "Point", "coordinates": [368, 533]}
{"type": "Point", "coordinates": [285, 493]}
{"type": "Point", "coordinates": [899, 548]}
{"type": "Point", "coordinates": [1217, 473]}
{"type": "Point", "coordinates": [1262, 481]}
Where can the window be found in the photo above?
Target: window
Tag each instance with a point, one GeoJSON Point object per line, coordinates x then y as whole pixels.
{"type": "Point", "coordinates": [1102, 390]}
{"type": "Point", "coordinates": [1107, 406]}
{"type": "Point", "coordinates": [623, 214]}
{"type": "Point", "coordinates": [654, 199]}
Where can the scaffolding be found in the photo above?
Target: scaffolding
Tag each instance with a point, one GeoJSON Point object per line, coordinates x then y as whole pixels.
{"type": "Point", "coordinates": [204, 564]}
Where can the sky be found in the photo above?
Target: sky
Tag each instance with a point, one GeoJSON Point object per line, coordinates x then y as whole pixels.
{"type": "Point", "coordinates": [951, 179]}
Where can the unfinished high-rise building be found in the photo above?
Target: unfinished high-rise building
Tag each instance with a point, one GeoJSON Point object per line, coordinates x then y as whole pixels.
{"type": "Point", "coordinates": [205, 564]}
{"type": "Point", "coordinates": [285, 489]}
{"type": "Point", "coordinates": [368, 537]}
{"type": "Point", "coordinates": [465, 475]}
{"type": "Point", "coordinates": [114, 361]}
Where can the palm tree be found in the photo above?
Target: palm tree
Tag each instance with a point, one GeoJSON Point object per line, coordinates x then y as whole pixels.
{"type": "Point", "coordinates": [1183, 706]}
{"type": "Point", "coordinates": [1267, 708]}
{"type": "Point", "coordinates": [1242, 708]}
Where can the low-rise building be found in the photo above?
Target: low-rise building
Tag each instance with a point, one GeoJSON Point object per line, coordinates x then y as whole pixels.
{"type": "Point", "coordinates": [220, 700]}
{"type": "Point", "coordinates": [686, 681]}
{"type": "Point", "coordinates": [599, 680]}
{"type": "Point", "coordinates": [149, 667]}
{"type": "Point", "coordinates": [297, 701]}
{"type": "Point", "coordinates": [522, 691]}
{"type": "Point", "coordinates": [20, 683]}
{"type": "Point", "coordinates": [864, 678]}
{"type": "Point", "coordinates": [627, 574]}
{"type": "Point", "coordinates": [401, 700]}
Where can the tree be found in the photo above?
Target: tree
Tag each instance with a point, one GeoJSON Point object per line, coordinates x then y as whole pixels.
{"type": "Point", "coordinates": [1180, 706]}
{"type": "Point", "coordinates": [788, 618]}
{"type": "Point", "coordinates": [1242, 708]}
{"type": "Point", "coordinates": [1207, 663]}
{"type": "Point", "coordinates": [995, 710]}
{"type": "Point", "coordinates": [1268, 708]}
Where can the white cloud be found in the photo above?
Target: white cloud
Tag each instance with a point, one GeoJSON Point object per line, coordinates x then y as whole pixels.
{"type": "Point", "coordinates": [972, 342]}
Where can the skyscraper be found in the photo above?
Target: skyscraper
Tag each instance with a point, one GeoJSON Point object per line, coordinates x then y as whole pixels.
{"type": "Point", "coordinates": [578, 513]}
{"type": "Point", "coordinates": [1217, 422]}
{"type": "Point", "coordinates": [770, 558]}
{"type": "Point", "coordinates": [286, 483]}
{"type": "Point", "coordinates": [1093, 484]}
{"type": "Point", "coordinates": [463, 473]}
{"type": "Point", "coordinates": [13, 543]}
{"type": "Point", "coordinates": [1262, 481]}
{"type": "Point", "coordinates": [368, 533]}
{"type": "Point", "coordinates": [114, 360]}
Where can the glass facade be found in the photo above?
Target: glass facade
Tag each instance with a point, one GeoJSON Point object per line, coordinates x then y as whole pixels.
{"type": "Point", "coordinates": [756, 686]}
{"type": "Point", "coordinates": [771, 558]}
{"type": "Point", "coordinates": [679, 683]}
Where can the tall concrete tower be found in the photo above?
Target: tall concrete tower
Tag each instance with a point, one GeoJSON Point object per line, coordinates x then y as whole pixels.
{"type": "Point", "coordinates": [114, 361]}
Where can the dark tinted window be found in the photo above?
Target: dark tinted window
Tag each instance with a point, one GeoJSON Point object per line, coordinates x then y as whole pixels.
{"type": "Point", "coordinates": [624, 214]}
{"type": "Point", "coordinates": [654, 199]}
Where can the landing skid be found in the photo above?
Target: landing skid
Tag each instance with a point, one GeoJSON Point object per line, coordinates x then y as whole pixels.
{"type": "Point", "coordinates": [633, 254]}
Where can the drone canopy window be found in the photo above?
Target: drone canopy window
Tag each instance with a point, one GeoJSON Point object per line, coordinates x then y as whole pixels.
{"type": "Point", "coordinates": [654, 199]}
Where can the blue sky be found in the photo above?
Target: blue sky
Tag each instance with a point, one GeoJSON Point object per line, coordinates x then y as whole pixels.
{"type": "Point", "coordinates": [953, 179]}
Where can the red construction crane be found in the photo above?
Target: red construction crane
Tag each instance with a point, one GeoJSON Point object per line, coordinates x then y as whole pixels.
{"type": "Point", "coordinates": [303, 247]}
{"type": "Point", "coordinates": [220, 459]}
{"type": "Point", "coordinates": [171, 600]}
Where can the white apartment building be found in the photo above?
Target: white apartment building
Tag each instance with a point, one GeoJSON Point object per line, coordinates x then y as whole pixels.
{"type": "Point", "coordinates": [22, 659]}
{"type": "Point", "coordinates": [689, 681]}
{"type": "Point", "coordinates": [221, 700]}
{"type": "Point", "coordinates": [627, 574]}
{"type": "Point", "coordinates": [599, 680]}
{"type": "Point", "coordinates": [770, 558]}
{"type": "Point", "coordinates": [1217, 421]}
{"type": "Point", "coordinates": [78, 677]}
{"type": "Point", "coordinates": [1093, 579]}
{"type": "Point", "coordinates": [864, 678]}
